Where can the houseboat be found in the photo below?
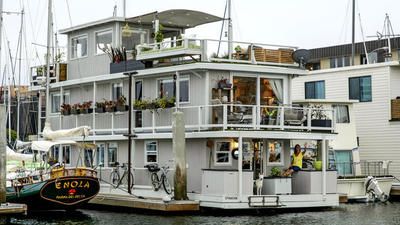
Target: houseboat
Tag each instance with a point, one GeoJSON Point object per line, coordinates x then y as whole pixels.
{"type": "Point", "coordinates": [238, 113]}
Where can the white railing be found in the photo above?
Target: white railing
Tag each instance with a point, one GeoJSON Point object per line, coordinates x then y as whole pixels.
{"type": "Point", "coordinates": [208, 117]}
{"type": "Point", "coordinates": [212, 50]}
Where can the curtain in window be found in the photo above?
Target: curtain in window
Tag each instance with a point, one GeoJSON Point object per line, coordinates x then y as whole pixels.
{"type": "Point", "coordinates": [277, 88]}
{"type": "Point", "coordinates": [342, 114]}
{"type": "Point", "coordinates": [344, 162]}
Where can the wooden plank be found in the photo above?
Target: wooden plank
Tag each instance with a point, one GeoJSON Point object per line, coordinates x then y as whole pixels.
{"type": "Point", "coordinates": [343, 198]}
{"type": "Point", "coordinates": [11, 208]}
{"type": "Point", "coordinates": [150, 204]}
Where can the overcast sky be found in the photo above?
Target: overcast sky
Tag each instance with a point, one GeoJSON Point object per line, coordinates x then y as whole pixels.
{"type": "Point", "coordinates": [302, 23]}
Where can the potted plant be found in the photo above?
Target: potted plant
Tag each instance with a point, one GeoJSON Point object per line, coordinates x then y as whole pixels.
{"type": "Point", "coordinates": [269, 116]}
{"type": "Point", "coordinates": [120, 104]}
{"type": "Point", "coordinates": [100, 107]}
{"type": "Point", "coordinates": [140, 104]}
{"type": "Point", "coordinates": [276, 183]}
{"type": "Point", "coordinates": [171, 102]}
{"type": "Point", "coordinates": [75, 109]}
{"type": "Point", "coordinates": [238, 49]}
{"type": "Point", "coordinates": [319, 118]}
{"type": "Point", "coordinates": [65, 109]}
{"type": "Point", "coordinates": [85, 107]}
{"type": "Point", "coordinates": [109, 106]}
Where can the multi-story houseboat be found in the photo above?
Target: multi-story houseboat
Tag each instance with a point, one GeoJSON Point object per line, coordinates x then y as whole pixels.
{"type": "Point", "coordinates": [238, 112]}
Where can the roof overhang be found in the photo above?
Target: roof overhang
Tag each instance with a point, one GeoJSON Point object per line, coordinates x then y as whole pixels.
{"type": "Point", "coordinates": [91, 24]}
{"type": "Point", "coordinates": [181, 18]}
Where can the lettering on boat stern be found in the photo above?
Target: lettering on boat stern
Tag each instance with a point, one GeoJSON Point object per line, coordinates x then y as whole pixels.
{"type": "Point", "coordinates": [70, 190]}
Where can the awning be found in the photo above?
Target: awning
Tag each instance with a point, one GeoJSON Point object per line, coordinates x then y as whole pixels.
{"type": "Point", "coordinates": [181, 18]}
{"type": "Point", "coordinates": [44, 146]}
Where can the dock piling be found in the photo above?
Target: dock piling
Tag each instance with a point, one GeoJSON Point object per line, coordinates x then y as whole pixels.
{"type": "Point", "coordinates": [178, 146]}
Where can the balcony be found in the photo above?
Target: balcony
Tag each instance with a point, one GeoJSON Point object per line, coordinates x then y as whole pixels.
{"type": "Point", "coordinates": [218, 117]}
{"type": "Point", "coordinates": [208, 50]}
{"type": "Point", "coordinates": [58, 72]}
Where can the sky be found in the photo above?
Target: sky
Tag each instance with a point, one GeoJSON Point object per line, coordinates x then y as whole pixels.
{"type": "Point", "coordinates": [301, 23]}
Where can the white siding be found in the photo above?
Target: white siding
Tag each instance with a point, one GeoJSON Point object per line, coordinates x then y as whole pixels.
{"type": "Point", "coordinates": [378, 137]}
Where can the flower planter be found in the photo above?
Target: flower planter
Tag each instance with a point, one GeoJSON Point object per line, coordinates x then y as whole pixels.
{"type": "Point", "coordinates": [321, 123]}
{"type": "Point", "coordinates": [100, 110]}
{"type": "Point", "coordinates": [124, 66]}
{"type": "Point", "coordinates": [66, 112]}
{"type": "Point", "coordinates": [277, 185]}
{"type": "Point", "coordinates": [170, 105]}
{"type": "Point", "coordinates": [110, 109]}
{"type": "Point", "coordinates": [75, 111]}
{"type": "Point", "coordinates": [122, 108]}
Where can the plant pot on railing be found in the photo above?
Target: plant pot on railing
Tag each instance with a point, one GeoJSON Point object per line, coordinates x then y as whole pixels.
{"type": "Point", "coordinates": [124, 66]}
{"type": "Point", "coordinates": [100, 110]}
{"type": "Point", "coordinates": [110, 109]}
{"type": "Point", "coordinates": [65, 112]}
{"type": "Point", "coordinates": [122, 108]}
{"type": "Point", "coordinates": [75, 111]}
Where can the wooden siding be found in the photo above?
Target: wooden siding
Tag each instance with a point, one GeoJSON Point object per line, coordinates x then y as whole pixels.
{"type": "Point", "coordinates": [378, 137]}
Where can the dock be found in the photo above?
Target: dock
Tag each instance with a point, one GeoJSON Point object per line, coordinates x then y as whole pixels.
{"type": "Point", "coordinates": [145, 203]}
{"type": "Point", "coordinates": [12, 209]}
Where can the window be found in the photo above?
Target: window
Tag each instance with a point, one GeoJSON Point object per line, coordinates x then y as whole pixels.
{"type": "Point", "coordinates": [54, 154]}
{"type": "Point", "coordinates": [138, 96]}
{"type": "Point", "coordinates": [56, 101]}
{"type": "Point", "coordinates": [100, 154]}
{"type": "Point", "coordinates": [137, 37]}
{"type": "Point", "coordinates": [222, 152]}
{"type": "Point", "coordinates": [116, 91]}
{"type": "Point", "coordinates": [342, 113]}
{"type": "Point", "coordinates": [360, 88]}
{"type": "Point", "coordinates": [344, 162]}
{"type": "Point", "coordinates": [79, 47]}
{"type": "Point", "coordinates": [88, 153]}
{"type": "Point", "coordinates": [166, 88]}
{"type": "Point", "coordinates": [112, 154]}
{"type": "Point", "coordinates": [66, 154]}
{"type": "Point", "coordinates": [275, 153]}
{"type": "Point", "coordinates": [151, 152]}
{"type": "Point", "coordinates": [315, 90]}
{"type": "Point", "coordinates": [103, 39]}
{"type": "Point", "coordinates": [339, 61]}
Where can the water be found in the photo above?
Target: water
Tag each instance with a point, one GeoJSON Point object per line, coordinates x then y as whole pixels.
{"type": "Point", "coordinates": [344, 214]}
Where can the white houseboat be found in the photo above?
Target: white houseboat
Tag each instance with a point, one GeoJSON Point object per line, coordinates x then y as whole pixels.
{"type": "Point", "coordinates": [239, 117]}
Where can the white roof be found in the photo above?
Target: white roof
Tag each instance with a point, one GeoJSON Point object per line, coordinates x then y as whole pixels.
{"type": "Point", "coordinates": [44, 146]}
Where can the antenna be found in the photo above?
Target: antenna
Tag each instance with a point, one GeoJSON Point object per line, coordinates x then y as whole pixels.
{"type": "Point", "coordinates": [301, 56]}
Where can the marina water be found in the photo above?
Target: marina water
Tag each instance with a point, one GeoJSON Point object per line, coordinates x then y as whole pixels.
{"type": "Point", "coordinates": [377, 213]}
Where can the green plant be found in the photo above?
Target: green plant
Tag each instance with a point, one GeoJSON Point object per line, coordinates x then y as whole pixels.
{"type": "Point", "coordinates": [121, 101]}
{"type": "Point", "coordinates": [116, 54]}
{"type": "Point", "coordinates": [238, 48]}
{"type": "Point", "coordinates": [159, 36]}
{"type": "Point", "coordinates": [100, 104]}
{"type": "Point", "coordinates": [270, 114]}
{"type": "Point", "coordinates": [86, 105]}
{"type": "Point", "coordinates": [13, 137]}
{"type": "Point", "coordinates": [275, 172]}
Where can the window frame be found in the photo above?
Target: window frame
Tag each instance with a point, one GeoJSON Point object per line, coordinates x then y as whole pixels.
{"type": "Point", "coordinates": [97, 156]}
{"type": "Point", "coordinates": [229, 153]}
{"type": "Point", "coordinates": [112, 90]}
{"type": "Point", "coordinates": [282, 153]}
{"type": "Point", "coordinates": [314, 95]}
{"type": "Point", "coordinates": [181, 79]}
{"type": "Point", "coordinates": [146, 151]}
{"type": "Point", "coordinates": [116, 153]}
{"type": "Point", "coordinates": [57, 94]}
{"type": "Point", "coordinates": [359, 88]}
{"type": "Point", "coordinates": [104, 31]}
{"type": "Point", "coordinates": [348, 113]}
{"type": "Point", "coordinates": [72, 46]}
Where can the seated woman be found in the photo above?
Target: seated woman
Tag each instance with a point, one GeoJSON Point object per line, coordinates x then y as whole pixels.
{"type": "Point", "coordinates": [297, 160]}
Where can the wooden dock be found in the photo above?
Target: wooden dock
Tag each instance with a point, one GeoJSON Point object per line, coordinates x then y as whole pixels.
{"type": "Point", "coordinates": [12, 208]}
{"type": "Point", "coordinates": [145, 203]}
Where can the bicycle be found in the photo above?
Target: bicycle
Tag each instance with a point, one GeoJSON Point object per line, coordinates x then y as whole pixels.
{"type": "Point", "coordinates": [115, 178]}
{"type": "Point", "coordinates": [156, 180]}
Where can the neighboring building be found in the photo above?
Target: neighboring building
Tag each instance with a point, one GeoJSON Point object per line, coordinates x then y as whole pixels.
{"type": "Point", "coordinates": [238, 118]}
{"type": "Point", "coordinates": [377, 115]}
{"type": "Point", "coordinates": [340, 55]}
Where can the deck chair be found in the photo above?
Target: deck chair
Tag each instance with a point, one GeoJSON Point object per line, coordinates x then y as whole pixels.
{"type": "Point", "coordinates": [240, 115]}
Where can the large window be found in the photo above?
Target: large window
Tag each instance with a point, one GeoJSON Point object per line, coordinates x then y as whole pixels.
{"type": "Point", "coordinates": [360, 88]}
{"type": "Point", "coordinates": [342, 113]}
{"type": "Point", "coordinates": [151, 152]}
{"type": "Point", "coordinates": [340, 62]}
{"type": "Point", "coordinates": [343, 161]}
{"type": "Point", "coordinates": [103, 39]}
{"type": "Point", "coordinates": [166, 89]}
{"type": "Point", "coordinates": [56, 101]}
{"type": "Point", "coordinates": [222, 153]}
{"type": "Point", "coordinates": [136, 37]}
{"type": "Point", "coordinates": [112, 154]}
{"type": "Point", "coordinates": [79, 47]}
{"type": "Point", "coordinates": [315, 90]}
{"type": "Point", "coordinates": [101, 148]}
{"type": "Point", "coordinates": [116, 91]}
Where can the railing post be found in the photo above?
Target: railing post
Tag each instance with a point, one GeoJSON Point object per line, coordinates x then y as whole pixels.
{"type": "Point", "coordinates": [76, 120]}
{"type": "Point", "coordinates": [225, 116]}
{"type": "Point", "coordinates": [282, 119]}
{"type": "Point", "coordinates": [256, 122]}
{"type": "Point", "coordinates": [153, 122]}
{"type": "Point", "coordinates": [309, 119]}
{"type": "Point", "coordinates": [204, 56]}
{"type": "Point", "coordinates": [199, 119]}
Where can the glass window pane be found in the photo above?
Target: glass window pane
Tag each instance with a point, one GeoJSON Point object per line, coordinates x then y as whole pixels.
{"type": "Point", "coordinates": [333, 63]}
{"type": "Point", "coordinates": [346, 61]}
{"type": "Point", "coordinates": [184, 91]}
{"type": "Point", "coordinates": [151, 152]}
{"type": "Point", "coordinates": [103, 39]}
{"type": "Point", "coordinates": [136, 38]}
{"type": "Point", "coordinates": [116, 91]}
{"type": "Point", "coordinates": [66, 154]}
{"type": "Point", "coordinates": [112, 154]}
{"type": "Point", "coordinates": [320, 90]}
{"type": "Point", "coordinates": [342, 113]}
{"type": "Point", "coordinates": [222, 157]}
{"type": "Point", "coordinates": [100, 154]}
{"type": "Point", "coordinates": [354, 88]}
{"type": "Point", "coordinates": [343, 162]}
{"type": "Point", "coordinates": [339, 62]}
{"type": "Point", "coordinates": [166, 88]}
{"type": "Point", "coordinates": [365, 89]}
{"type": "Point", "coordinates": [55, 100]}
{"type": "Point", "coordinates": [310, 90]}
{"type": "Point", "coordinates": [79, 47]}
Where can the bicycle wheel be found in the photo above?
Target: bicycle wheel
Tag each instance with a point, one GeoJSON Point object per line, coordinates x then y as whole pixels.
{"type": "Point", "coordinates": [155, 181]}
{"type": "Point", "coordinates": [125, 180]}
{"type": "Point", "coordinates": [166, 185]}
{"type": "Point", "coordinates": [114, 179]}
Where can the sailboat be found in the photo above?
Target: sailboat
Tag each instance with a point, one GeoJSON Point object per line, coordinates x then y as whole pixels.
{"type": "Point", "coordinates": [46, 185]}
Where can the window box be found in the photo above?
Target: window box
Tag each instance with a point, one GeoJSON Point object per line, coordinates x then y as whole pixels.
{"type": "Point", "coordinates": [321, 123]}
{"type": "Point", "coordinates": [100, 110]}
{"type": "Point", "coordinates": [86, 111]}
{"type": "Point", "coordinates": [75, 111]}
{"type": "Point", "coordinates": [126, 66]}
{"type": "Point", "coordinates": [122, 108]}
{"type": "Point", "coordinates": [110, 109]}
{"type": "Point", "coordinates": [277, 186]}
{"type": "Point", "coordinates": [66, 112]}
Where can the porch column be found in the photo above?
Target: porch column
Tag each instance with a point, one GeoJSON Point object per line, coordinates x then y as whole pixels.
{"type": "Point", "coordinates": [258, 99]}
{"type": "Point", "coordinates": [94, 109]}
{"type": "Point", "coordinates": [60, 121]}
{"type": "Point", "coordinates": [323, 167]}
{"type": "Point", "coordinates": [177, 91]}
{"type": "Point", "coordinates": [240, 162]}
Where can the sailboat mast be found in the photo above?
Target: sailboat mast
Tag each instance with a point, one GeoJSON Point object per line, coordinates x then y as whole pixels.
{"type": "Point", "coordinates": [49, 36]}
{"type": "Point", "coordinates": [1, 28]}
{"type": "Point", "coordinates": [230, 29]}
{"type": "Point", "coordinates": [353, 47]}
{"type": "Point", "coordinates": [19, 74]}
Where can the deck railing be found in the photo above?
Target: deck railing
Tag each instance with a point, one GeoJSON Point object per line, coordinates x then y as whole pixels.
{"type": "Point", "coordinates": [205, 117]}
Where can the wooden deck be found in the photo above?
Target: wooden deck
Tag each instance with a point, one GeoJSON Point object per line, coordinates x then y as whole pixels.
{"type": "Point", "coordinates": [145, 203]}
{"type": "Point", "coordinates": [12, 208]}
